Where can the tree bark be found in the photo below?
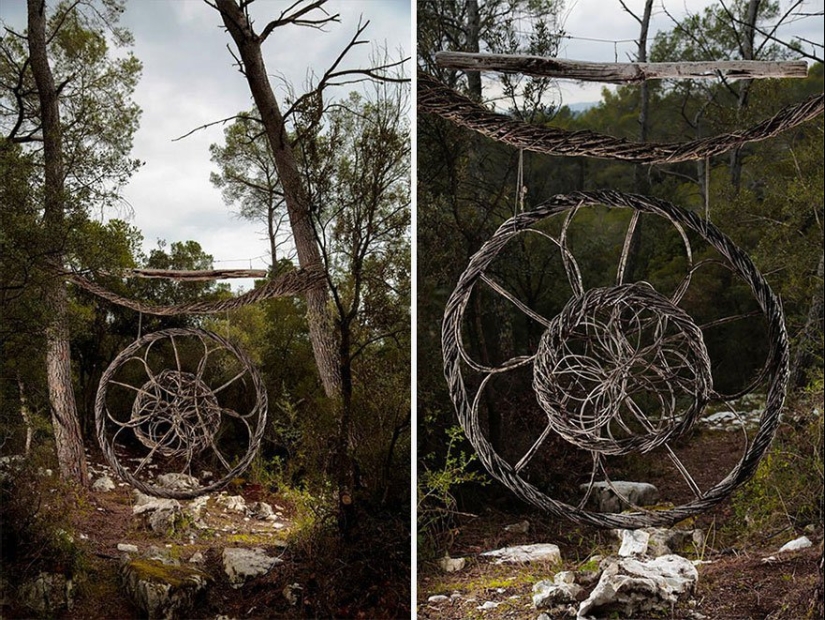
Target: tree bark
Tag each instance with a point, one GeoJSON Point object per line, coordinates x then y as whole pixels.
{"type": "Point", "coordinates": [473, 35]}
{"type": "Point", "coordinates": [321, 328]}
{"type": "Point", "coordinates": [68, 438]}
{"type": "Point", "coordinates": [749, 30]}
{"type": "Point", "coordinates": [331, 353]}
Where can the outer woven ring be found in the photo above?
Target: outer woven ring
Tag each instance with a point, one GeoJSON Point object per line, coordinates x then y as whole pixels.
{"type": "Point", "coordinates": [258, 412]}
{"type": "Point", "coordinates": [777, 364]}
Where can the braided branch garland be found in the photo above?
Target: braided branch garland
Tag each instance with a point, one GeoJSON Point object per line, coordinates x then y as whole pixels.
{"type": "Point", "coordinates": [682, 362]}
{"type": "Point", "coordinates": [291, 283]}
{"type": "Point", "coordinates": [175, 414]}
{"type": "Point", "coordinates": [437, 98]}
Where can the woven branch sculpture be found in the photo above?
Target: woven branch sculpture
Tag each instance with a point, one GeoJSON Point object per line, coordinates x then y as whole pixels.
{"type": "Point", "coordinates": [621, 370]}
{"type": "Point", "coordinates": [185, 401]}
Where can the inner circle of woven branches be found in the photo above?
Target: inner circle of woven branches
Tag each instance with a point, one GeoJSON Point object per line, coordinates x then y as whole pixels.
{"type": "Point", "coordinates": [610, 347]}
{"type": "Point", "coordinates": [605, 352]}
{"type": "Point", "coordinates": [176, 414]}
{"type": "Point", "coordinates": [180, 401]}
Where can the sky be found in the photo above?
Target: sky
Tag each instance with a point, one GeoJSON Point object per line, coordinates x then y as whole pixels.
{"type": "Point", "coordinates": [189, 80]}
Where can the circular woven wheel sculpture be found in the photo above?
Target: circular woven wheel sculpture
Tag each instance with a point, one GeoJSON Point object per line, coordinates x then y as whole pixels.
{"type": "Point", "coordinates": [621, 371]}
{"type": "Point", "coordinates": [180, 401]}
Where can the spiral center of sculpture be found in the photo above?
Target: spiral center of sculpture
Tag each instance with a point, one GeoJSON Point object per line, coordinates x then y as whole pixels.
{"type": "Point", "coordinates": [621, 369]}
{"type": "Point", "coordinates": [175, 413]}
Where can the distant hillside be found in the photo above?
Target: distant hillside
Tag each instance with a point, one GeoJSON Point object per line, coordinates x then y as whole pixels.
{"type": "Point", "coordinates": [583, 106]}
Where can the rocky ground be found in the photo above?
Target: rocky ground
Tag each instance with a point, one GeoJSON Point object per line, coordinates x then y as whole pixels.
{"type": "Point", "coordinates": [731, 572]}
{"type": "Point", "coordinates": [247, 552]}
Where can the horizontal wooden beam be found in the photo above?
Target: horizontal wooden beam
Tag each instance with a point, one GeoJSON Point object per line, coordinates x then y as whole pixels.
{"type": "Point", "coordinates": [195, 275]}
{"type": "Point", "coordinates": [618, 72]}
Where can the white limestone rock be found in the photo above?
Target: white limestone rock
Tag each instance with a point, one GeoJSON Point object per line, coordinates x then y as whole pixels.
{"type": "Point", "coordinates": [234, 503]}
{"type": "Point", "coordinates": [437, 599]}
{"type": "Point", "coordinates": [634, 542]}
{"type": "Point", "coordinates": [104, 484]}
{"type": "Point", "coordinates": [452, 565]}
{"type": "Point", "coordinates": [544, 552]}
{"type": "Point", "coordinates": [634, 587]}
{"type": "Point", "coordinates": [604, 499]}
{"type": "Point", "coordinates": [127, 548]}
{"type": "Point", "coordinates": [242, 565]}
{"type": "Point", "coordinates": [262, 511]}
{"type": "Point", "coordinates": [561, 591]}
{"type": "Point", "coordinates": [178, 482]}
{"type": "Point", "coordinates": [161, 590]}
{"type": "Point", "coordinates": [803, 542]}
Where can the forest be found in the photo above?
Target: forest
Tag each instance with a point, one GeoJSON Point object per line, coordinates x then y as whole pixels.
{"type": "Point", "coordinates": [766, 196]}
{"type": "Point", "coordinates": [282, 413]}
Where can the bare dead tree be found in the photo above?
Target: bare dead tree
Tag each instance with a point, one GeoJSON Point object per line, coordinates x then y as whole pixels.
{"type": "Point", "coordinates": [325, 341]}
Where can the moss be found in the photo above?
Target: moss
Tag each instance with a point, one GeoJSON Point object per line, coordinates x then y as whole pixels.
{"type": "Point", "coordinates": [249, 538]}
{"type": "Point", "coordinates": [175, 576]}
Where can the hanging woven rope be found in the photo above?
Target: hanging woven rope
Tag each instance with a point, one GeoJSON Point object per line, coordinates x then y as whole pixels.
{"type": "Point", "coordinates": [292, 283]}
{"type": "Point", "coordinates": [436, 98]}
{"type": "Point", "coordinates": [621, 370]}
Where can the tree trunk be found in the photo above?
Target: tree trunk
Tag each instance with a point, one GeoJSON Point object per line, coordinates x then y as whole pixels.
{"type": "Point", "coordinates": [68, 438]}
{"type": "Point", "coordinates": [473, 34]}
{"type": "Point", "coordinates": [321, 328]}
{"type": "Point", "coordinates": [744, 89]}
{"type": "Point", "coordinates": [331, 357]}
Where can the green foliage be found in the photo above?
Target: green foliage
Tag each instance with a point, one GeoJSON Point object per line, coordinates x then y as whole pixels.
{"type": "Point", "coordinates": [786, 493]}
{"type": "Point", "coordinates": [36, 533]}
{"type": "Point", "coordinates": [437, 484]}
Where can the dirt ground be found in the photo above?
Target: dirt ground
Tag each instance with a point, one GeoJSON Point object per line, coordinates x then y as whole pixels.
{"type": "Point", "coordinates": [322, 576]}
{"type": "Point", "coordinates": [738, 578]}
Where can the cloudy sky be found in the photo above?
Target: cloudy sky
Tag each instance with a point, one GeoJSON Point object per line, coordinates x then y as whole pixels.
{"type": "Point", "coordinates": [188, 80]}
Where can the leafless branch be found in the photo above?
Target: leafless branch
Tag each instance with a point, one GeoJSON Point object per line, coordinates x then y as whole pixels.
{"type": "Point", "coordinates": [223, 121]}
{"type": "Point", "coordinates": [296, 18]}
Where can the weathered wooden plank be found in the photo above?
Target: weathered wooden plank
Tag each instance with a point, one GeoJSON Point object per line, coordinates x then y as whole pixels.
{"type": "Point", "coordinates": [617, 72]}
{"type": "Point", "coordinates": [196, 274]}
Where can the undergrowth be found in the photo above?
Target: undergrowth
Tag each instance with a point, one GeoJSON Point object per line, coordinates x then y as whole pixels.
{"type": "Point", "coordinates": [786, 494]}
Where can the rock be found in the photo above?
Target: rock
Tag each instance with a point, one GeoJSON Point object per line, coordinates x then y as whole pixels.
{"type": "Point", "coordinates": [163, 514]}
{"type": "Point", "coordinates": [241, 565]}
{"type": "Point", "coordinates": [664, 541]}
{"type": "Point", "coordinates": [803, 542]}
{"type": "Point", "coordinates": [103, 484]}
{"type": "Point", "coordinates": [178, 482]}
{"type": "Point", "coordinates": [154, 503]}
{"type": "Point", "coordinates": [518, 528]}
{"type": "Point", "coordinates": [437, 599]}
{"type": "Point", "coordinates": [235, 503]}
{"type": "Point", "coordinates": [196, 506]}
{"type": "Point", "coordinates": [127, 548]}
{"type": "Point", "coordinates": [634, 542]}
{"type": "Point", "coordinates": [157, 554]}
{"type": "Point", "coordinates": [488, 605]}
{"type": "Point", "coordinates": [562, 590]}
{"type": "Point", "coordinates": [452, 565]}
{"type": "Point", "coordinates": [526, 553]}
{"type": "Point", "coordinates": [197, 558]}
{"type": "Point", "coordinates": [262, 510]}
{"type": "Point", "coordinates": [160, 590]}
{"type": "Point", "coordinates": [633, 587]}
{"type": "Point", "coordinates": [292, 593]}
{"type": "Point", "coordinates": [604, 499]}
{"type": "Point", "coordinates": [47, 593]}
